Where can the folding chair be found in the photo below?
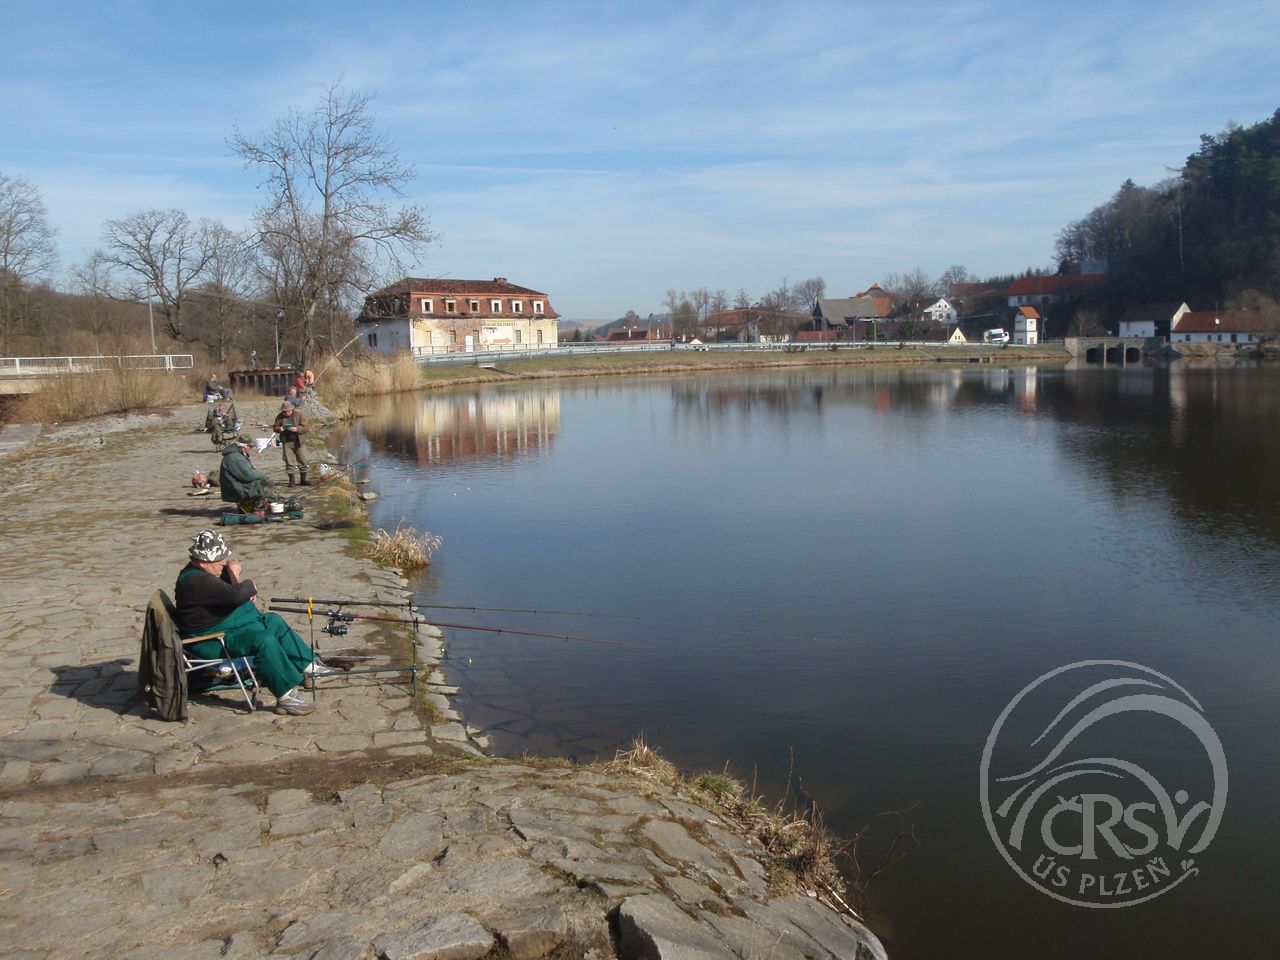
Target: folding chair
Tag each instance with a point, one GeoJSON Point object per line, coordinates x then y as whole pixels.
{"type": "Point", "coordinates": [211, 674]}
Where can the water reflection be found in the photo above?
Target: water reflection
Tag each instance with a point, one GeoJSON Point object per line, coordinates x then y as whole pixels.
{"type": "Point", "coordinates": [435, 430]}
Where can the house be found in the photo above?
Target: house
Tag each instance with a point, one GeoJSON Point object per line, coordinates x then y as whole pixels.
{"type": "Point", "coordinates": [882, 299]}
{"type": "Point", "coordinates": [850, 317]}
{"type": "Point", "coordinates": [1151, 319]}
{"type": "Point", "coordinates": [941, 312]}
{"type": "Point", "coordinates": [451, 316]}
{"type": "Point", "coordinates": [1040, 291]}
{"type": "Point", "coordinates": [635, 335]}
{"type": "Point", "coordinates": [1210, 326]}
{"type": "Point", "coordinates": [957, 336]}
{"type": "Point", "coordinates": [754, 325]}
{"type": "Point", "coordinates": [1026, 326]}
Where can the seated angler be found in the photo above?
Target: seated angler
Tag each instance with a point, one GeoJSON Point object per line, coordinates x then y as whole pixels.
{"type": "Point", "coordinates": [210, 597]}
{"type": "Point", "coordinates": [238, 480]}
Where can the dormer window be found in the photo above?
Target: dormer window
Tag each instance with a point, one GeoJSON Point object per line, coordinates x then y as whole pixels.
{"type": "Point", "coordinates": [517, 306]}
{"type": "Point", "coordinates": [426, 305]}
{"type": "Point", "coordinates": [495, 306]}
{"type": "Point", "coordinates": [537, 306]}
{"type": "Point", "coordinates": [473, 306]}
{"type": "Point", "coordinates": [450, 306]}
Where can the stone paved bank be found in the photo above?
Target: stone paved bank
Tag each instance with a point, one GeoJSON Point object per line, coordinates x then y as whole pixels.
{"type": "Point", "coordinates": [371, 828]}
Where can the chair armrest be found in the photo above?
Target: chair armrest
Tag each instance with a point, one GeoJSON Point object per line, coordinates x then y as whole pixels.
{"type": "Point", "coordinates": [206, 636]}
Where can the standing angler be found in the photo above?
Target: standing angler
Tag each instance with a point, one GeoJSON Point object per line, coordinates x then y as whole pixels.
{"type": "Point", "coordinates": [291, 425]}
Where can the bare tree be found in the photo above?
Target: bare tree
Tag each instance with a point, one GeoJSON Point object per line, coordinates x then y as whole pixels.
{"type": "Point", "coordinates": [27, 250]}
{"type": "Point", "coordinates": [911, 291]}
{"type": "Point", "coordinates": [806, 294]}
{"type": "Point", "coordinates": [956, 273]}
{"type": "Point", "coordinates": [741, 301]}
{"type": "Point", "coordinates": [1085, 323]}
{"type": "Point", "coordinates": [160, 253]}
{"type": "Point", "coordinates": [222, 304]}
{"type": "Point", "coordinates": [324, 219]}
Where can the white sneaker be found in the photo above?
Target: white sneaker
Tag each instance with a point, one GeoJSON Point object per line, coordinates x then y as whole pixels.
{"type": "Point", "coordinates": [317, 669]}
{"type": "Point", "coordinates": [293, 704]}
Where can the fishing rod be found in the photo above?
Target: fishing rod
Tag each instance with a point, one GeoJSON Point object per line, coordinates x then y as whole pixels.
{"type": "Point", "coordinates": [337, 616]}
{"type": "Point", "coordinates": [412, 604]}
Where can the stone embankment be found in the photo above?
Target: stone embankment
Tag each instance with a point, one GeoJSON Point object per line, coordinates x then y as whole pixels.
{"type": "Point", "coordinates": [370, 828]}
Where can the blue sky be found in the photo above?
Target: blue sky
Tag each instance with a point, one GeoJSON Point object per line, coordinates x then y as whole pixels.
{"type": "Point", "coordinates": [604, 152]}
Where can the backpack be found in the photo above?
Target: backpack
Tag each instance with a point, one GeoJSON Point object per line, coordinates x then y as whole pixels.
{"type": "Point", "coordinates": [162, 674]}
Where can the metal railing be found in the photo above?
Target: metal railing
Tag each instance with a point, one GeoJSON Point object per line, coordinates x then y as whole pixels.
{"type": "Point", "coordinates": [56, 366]}
{"type": "Point", "coordinates": [570, 348]}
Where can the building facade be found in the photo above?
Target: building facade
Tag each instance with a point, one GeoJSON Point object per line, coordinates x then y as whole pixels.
{"type": "Point", "coordinates": [426, 317]}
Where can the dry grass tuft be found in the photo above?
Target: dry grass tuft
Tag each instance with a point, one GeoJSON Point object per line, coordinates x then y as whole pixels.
{"type": "Point", "coordinates": [405, 549]}
{"type": "Point", "coordinates": [803, 853]}
{"type": "Point", "coordinates": [82, 395]}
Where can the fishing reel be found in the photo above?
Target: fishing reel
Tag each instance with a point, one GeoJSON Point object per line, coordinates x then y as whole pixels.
{"type": "Point", "coordinates": [335, 629]}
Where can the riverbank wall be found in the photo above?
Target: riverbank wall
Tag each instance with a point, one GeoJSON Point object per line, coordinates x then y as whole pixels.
{"type": "Point", "coordinates": [373, 827]}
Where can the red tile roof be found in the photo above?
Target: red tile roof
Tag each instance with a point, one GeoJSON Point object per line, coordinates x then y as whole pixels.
{"type": "Point", "coordinates": [1031, 312]}
{"type": "Point", "coordinates": [1210, 321]}
{"type": "Point", "coordinates": [1056, 285]}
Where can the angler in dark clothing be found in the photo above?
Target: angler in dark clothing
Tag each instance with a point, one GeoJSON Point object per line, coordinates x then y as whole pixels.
{"type": "Point", "coordinates": [240, 483]}
{"type": "Point", "coordinates": [210, 597]}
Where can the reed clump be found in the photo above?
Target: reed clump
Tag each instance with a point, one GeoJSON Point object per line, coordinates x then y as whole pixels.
{"type": "Point", "coordinates": [78, 396]}
{"type": "Point", "coordinates": [803, 854]}
{"type": "Point", "coordinates": [405, 548]}
{"type": "Point", "coordinates": [364, 376]}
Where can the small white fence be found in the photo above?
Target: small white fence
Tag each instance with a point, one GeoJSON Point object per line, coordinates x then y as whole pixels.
{"type": "Point", "coordinates": [56, 366]}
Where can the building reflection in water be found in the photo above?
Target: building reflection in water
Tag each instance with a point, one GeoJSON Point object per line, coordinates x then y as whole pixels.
{"type": "Point", "coordinates": [437, 430]}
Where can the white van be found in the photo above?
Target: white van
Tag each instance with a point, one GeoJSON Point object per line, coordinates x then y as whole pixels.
{"type": "Point", "coordinates": [998, 335]}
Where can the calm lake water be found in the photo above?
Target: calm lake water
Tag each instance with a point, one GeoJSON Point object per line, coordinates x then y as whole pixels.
{"type": "Point", "coordinates": [835, 580]}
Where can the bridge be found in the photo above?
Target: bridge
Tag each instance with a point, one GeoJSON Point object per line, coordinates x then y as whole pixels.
{"type": "Point", "coordinates": [29, 374]}
{"type": "Point", "coordinates": [1113, 350]}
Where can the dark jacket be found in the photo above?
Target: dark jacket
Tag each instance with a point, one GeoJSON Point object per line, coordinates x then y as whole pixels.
{"type": "Point", "coordinates": [292, 428]}
{"type": "Point", "coordinates": [202, 601]}
{"type": "Point", "coordinates": [237, 479]}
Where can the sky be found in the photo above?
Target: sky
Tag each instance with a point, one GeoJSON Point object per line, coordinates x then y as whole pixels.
{"type": "Point", "coordinates": [603, 153]}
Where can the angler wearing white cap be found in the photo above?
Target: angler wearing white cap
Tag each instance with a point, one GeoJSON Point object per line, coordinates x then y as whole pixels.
{"type": "Point", "coordinates": [210, 597]}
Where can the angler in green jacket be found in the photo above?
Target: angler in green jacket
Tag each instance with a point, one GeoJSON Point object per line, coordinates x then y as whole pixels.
{"type": "Point", "coordinates": [239, 482]}
{"type": "Point", "coordinates": [210, 597]}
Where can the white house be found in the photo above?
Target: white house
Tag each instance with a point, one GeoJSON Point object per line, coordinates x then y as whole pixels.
{"type": "Point", "coordinates": [1026, 326]}
{"type": "Point", "coordinates": [1152, 319]}
{"type": "Point", "coordinates": [453, 316]}
{"type": "Point", "coordinates": [941, 312]}
{"type": "Point", "coordinates": [1208, 326]}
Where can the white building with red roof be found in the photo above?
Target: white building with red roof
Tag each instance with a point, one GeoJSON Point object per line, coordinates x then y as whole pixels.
{"type": "Point", "coordinates": [1210, 326]}
{"type": "Point", "coordinates": [423, 317]}
{"type": "Point", "coordinates": [1026, 326]}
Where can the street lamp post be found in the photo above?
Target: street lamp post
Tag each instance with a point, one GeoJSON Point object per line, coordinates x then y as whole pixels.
{"type": "Point", "coordinates": [151, 321]}
{"type": "Point", "coordinates": [279, 317]}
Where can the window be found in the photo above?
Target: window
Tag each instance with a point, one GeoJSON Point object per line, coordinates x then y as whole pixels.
{"type": "Point", "coordinates": [426, 305]}
{"type": "Point", "coordinates": [473, 306]}
{"type": "Point", "coordinates": [537, 306]}
{"type": "Point", "coordinates": [373, 339]}
{"type": "Point", "coordinates": [450, 306]}
{"type": "Point", "coordinates": [517, 306]}
{"type": "Point", "coordinates": [453, 337]}
{"type": "Point", "coordinates": [539, 334]}
{"type": "Point", "coordinates": [519, 335]}
{"type": "Point", "coordinates": [495, 306]}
